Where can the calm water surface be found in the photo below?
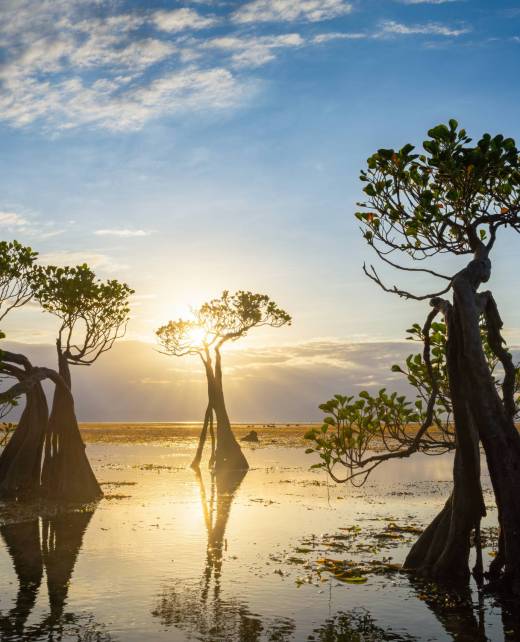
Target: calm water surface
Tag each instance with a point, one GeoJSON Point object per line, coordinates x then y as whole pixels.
{"type": "Point", "coordinates": [171, 556]}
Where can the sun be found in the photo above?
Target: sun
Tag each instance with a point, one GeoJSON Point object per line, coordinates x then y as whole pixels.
{"type": "Point", "coordinates": [197, 335]}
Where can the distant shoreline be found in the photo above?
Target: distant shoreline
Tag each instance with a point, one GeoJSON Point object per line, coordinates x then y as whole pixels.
{"type": "Point", "coordinates": [153, 432]}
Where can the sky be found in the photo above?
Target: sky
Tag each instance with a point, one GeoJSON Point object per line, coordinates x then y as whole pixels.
{"type": "Point", "coordinates": [191, 147]}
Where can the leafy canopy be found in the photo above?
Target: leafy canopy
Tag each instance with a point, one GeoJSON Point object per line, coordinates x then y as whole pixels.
{"type": "Point", "coordinates": [223, 319]}
{"type": "Point", "coordinates": [450, 198]}
{"type": "Point", "coordinates": [16, 268]}
{"type": "Point", "coordinates": [93, 313]}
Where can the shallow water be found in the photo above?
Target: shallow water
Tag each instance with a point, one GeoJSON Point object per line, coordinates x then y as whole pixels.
{"type": "Point", "coordinates": [171, 556]}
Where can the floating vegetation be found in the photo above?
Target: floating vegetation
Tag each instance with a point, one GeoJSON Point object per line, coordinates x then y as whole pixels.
{"type": "Point", "coordinates": [313, 554]}
{"type": "Point", "coordinates": [158, 467]}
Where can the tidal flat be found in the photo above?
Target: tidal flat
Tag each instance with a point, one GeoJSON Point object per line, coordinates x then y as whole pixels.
{"type": "Point", "coordinates": [279, 554]}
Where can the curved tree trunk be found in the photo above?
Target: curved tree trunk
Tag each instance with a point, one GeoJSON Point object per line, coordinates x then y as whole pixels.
{"type": "Point", "coordinates": [228, 454]}
{"type": "Point", "coordinates": [492, 416]}
{"type": "Point", "coordinates": [66, 474]}
{"type": "Point", "coordinates": [442, 552]}
{"type": "Point", "coordinates": [20, 461]}
{"type": "Point", "coordinates": [195, 464]}
{"type": "Point", "coordinates": [477, 407]}
{"type": "Point", "coordinates": [208, 417]}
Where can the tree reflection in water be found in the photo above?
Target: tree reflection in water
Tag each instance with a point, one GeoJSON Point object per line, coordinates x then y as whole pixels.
{"type": "Point", "coordinates": [460, 617]}
{"type": "Point", "coordinates": [200, 610]}
{"type": "Point", "coordinates": [49, 544]}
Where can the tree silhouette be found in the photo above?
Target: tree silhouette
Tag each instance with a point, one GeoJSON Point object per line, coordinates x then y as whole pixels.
{"type": "Point", "coordinates": [215, 323]}
{"type": "Point", "coordinates": [93, 315]}
{"type": "Point", "coordinates": [453, 200]}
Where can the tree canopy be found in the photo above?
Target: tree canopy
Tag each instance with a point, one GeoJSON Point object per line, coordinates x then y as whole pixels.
{"type": "Point", "coordinates": [93, 313]}
{"type": "Point", "coordinates": [219, 320]}
{"type": "Point", "coordinates": [16, 270]}
{"type": "Point", "coordinates": [452, 198]}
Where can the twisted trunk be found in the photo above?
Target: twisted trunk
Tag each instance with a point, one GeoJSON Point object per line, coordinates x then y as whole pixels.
{"type": "Point", "coordinates": [66, 473]}
{"type": "Point", "coordinates": [442, 551]}
{"type": "Point", "coordinates": [208, 418]}
{"type": "Point", "coordinates": [228, 454]}
{"type": "Point", "coordinates": [20, 461]}
{"type": "Point", "coordinates": [493, 416]}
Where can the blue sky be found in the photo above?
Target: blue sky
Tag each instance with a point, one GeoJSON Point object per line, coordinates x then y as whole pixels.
{"type": "Point", "coordinates": [191, 147]}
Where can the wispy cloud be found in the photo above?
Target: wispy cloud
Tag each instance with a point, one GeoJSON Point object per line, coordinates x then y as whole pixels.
{"type": "Point", "coordinates": [11, 219]}
{"type": "Point", "coordinates": [94, 259]}
{"type": "Point", "coordinates": [393, 28]}
{"type": "Point", "coordinates": [254, 51]}
{"type": "Point", "coordinates": [426, 1]}
{"type": "Point", "coordinates": [182, 19]}
{"type": "Point", "coordinates": [291, 10]}
{"type": "Point", "coordinates": [61, 66]}
{"type": "Point", "coordinates": [123, 233]}
{"type": "Point", "coordinates": [335, 35]}
{"type": "Point", "coordinates": [64, 69]}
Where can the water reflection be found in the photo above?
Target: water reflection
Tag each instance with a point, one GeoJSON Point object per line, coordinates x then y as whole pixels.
{"type": "Point", "coordinates": [49, 544]}
{"type": "Point", "coordinates": [203, 613]}
{"type": "Point", "coordinates": [463, 619]}
{"type": "Point", "coordinates": [199, 609]}
{"type": "Point", "coordinates": [356, 625]}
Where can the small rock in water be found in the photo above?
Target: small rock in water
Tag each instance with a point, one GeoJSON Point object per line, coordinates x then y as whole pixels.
{"type": "Point", "coordinates": [251, 436]}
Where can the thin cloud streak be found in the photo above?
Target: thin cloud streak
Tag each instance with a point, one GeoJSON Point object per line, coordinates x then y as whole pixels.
{"type": "Point", "coordinates": [123, 233]}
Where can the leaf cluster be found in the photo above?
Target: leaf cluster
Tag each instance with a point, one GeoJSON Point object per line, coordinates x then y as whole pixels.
{"type": "Point", "coordinates": [450, 198]}
{"type": "Point", "coordinates": [16, 269]}
{"type": "Point", "coordinates": [356, 428]}
{"type": "Point", "coordinates": [231, 316]}
{"type": "Point", "coordinates": [93, 313]}
{"type": "Point", "coordinates": [181, 337]}
{"type": "Point", "coordinates": [219, 320]}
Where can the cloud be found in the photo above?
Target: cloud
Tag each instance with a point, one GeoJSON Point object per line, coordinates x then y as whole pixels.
{"type": "Point", "coordinates": [116, 106]}
{"type": "Point", "coordinates": [254, 51]}
{"type": "Point", "coordinates": [63, 68]}
{"type": "Point", "coordinates": [124, 233]}
{"type": "Point", "coordinates": [290, 11]}
{"type": "Point", "coordinates": [71, 257]}
{"type": "Point", "coordinates": [393, 28]}
{"type": "Point", "coordinates": [282, 383]}
{"type": "Point", "coordinates": [182, 19]}
{"type": "Point", "coordinates": [426, 1]}
{"type": "Point", "coordinates": [65, 65]}
{"type": "Point", "coordinates": [11, 219]}
{"type": "Point", "coordinates": [328, 37]}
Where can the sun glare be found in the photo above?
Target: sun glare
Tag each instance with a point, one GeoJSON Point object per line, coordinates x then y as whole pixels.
{"type": "Point", "coordinates": [197, 336]}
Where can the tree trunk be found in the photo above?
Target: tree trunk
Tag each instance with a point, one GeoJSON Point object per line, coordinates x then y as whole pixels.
{"type": "Point", "coordinates": [442, 551]}
{"type": "Point", "coordinates": [66, 474]}
{"type": "Point", "coordinates": [195, 464]}
{"type": "Point", "coordinates": [495, 423]}
{"type": "Point", "coordinates": [20, 461]}
{"type": "Point", "coordinates": [228, 454]}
